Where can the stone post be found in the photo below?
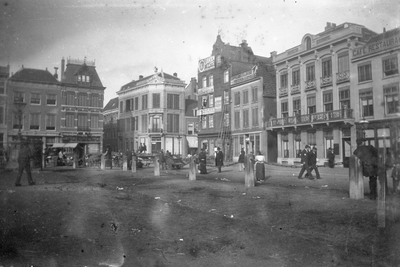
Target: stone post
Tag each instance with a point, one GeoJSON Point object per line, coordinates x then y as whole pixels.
{"type": "Point", "coordinates": [356, 179]}
{"type": "Point", "coordinates": [192, 169]}
{"type": "Point", "coordinates": [249, 171]}
{"type": "Point", "coordinates": [156, 166]}
{"type": "Point", "coordinates": [124, 163]}
{"type": "Point", "coordinates": [103, 163]}
{"type": "Point", "coordinates": [134, 163]}
{"type": "Point", "coordinates": [74, 162]}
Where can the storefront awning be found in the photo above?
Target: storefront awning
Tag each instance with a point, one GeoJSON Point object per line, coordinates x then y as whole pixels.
{"type": "Point", "coordinates": [73, 145]}
{"type": "Point", "coordinates": [55, 145]}
{"type": "Point", "coordinates": [64, 145]}
{"type": "Point", "coordinates": [192, 141]}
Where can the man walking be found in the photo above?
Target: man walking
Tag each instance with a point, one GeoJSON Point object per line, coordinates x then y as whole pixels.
{"type": "Point", "coordinates": [161, 159]}
{"type": "Point", "coordinates": [305, 160]}
{"type": "Point", "coordinates": [219, 159]}
{"type": "Point", "coordinates": [24, 163]}
{"type": "Point", "coordinates": [313, 162]}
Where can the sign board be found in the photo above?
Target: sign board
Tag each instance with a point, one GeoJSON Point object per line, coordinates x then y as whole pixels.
{"type": "Point", "coordinates": [206, 64]}
{"type": "Point", "coordinates": [377, 46]}
{"type": "Point", "coordinates": [244, 76]}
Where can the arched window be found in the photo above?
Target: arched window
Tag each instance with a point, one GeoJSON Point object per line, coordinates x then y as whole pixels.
{"type": "Point", "coordinates": [308, 43]}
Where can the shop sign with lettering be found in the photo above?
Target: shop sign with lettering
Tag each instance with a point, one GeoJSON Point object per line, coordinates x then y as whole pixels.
{"type": "Point", "coordinates": [377, 46]}
{"type": "Point", "coordinates": [206, 64]}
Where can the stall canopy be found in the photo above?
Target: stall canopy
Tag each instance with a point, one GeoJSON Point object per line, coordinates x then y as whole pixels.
{"type": "Point", "coordinates": [73, 145]}
{"type": "Point", "coordinates": [192, 141]}
{"type": "Point", "coordinates": [64, 145]}
{"type": "Point", "coordinates": [56, 145]}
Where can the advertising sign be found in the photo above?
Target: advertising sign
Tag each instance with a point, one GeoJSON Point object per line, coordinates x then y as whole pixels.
{"type": "Point", "coordinates": [381, 45]}
{"type": "Point", "coordinates": [206, 64]}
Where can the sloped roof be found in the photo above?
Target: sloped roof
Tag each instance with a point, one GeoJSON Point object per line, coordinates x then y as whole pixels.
{"type": "Point", "coordinates": [34, 75]}
{"type": "Point", "coordinates": [112, 104]}
{"type": "Point", "coordinates": [133, 84]}
{"type": "Point", "coordinates": [190, 105]}
{"type": "Point", "coordinates": [384, 35]}
{"type": "Point", "coordinates": [72, 70]}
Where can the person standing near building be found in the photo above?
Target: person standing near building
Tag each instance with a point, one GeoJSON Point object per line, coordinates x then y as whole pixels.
{"type": "Point", "coordinates": [108, 157]}
{"type": "Point", "coordinates": [241, 160]}
{"type": "Point", "coordinates": [305, 160]}
{"type": "Point", "coordinates": [260, 167]}
{"type": "Point", "coordinates": [219, 159]}
{"type": "Point", "coordinates": [161, 159]}
{"type": "Point", "coordinates": [313, 162]}
{"type": "Point", "coordinates": [202, 162]}
{"type": "Point", "coordinates": [331, 158]}
{"type": "Point", "coordinates": [368, 156]}
{"type": "Point", "coordinates": [24, 163]}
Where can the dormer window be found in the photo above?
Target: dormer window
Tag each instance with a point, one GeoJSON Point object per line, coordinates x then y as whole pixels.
{"type": "Point", "coordinates": [308, 43]}
{"type": "Point", "coordinates": [83, 79]}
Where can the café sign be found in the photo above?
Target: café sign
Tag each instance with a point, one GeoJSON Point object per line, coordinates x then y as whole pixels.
{"type": "Point", "coordinates": [377, 46]}
{"type": "Point", "coordinates": [206, 64]}
{"type": "Point", "coordinates": [244, 76]}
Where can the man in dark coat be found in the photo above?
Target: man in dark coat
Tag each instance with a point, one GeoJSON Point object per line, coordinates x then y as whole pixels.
{"type": "Point", "coordinates": [202, 162]}
{"type": "Point", "coordinates": [313, 162]}
{"type": "Point", "coordinates": [219, 159]}
{"type": "Point", "coordinates": [305, 160]}
{"type": "Point", "coordinates": [331, 158]}
{"type": "Point", "coordinates": [368, 156]}
{"type": "Point", "coordinates": [24, 163]}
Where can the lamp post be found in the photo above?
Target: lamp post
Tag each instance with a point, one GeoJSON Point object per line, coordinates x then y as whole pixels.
{"type": "Point", "coordinates": [19, 105]}
{"type": "Point", "coordinates": [363, 124]}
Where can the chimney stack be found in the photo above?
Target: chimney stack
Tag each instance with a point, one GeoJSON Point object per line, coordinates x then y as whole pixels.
{"type": "Point", "coordinates": [140, 77]}
{"type": "Point", "coordinates": [175, 74]}
{"type": "Point", "coordinates": [328, 26]}
{"type": "Point", "coordinates": [384, 30]}
{"type": "Point", "coordinates": [62, 69]}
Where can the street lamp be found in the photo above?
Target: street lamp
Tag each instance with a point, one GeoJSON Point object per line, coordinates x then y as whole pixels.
{"type": "Point", "coordinates": [19, 105]}
{"type": "Point", "coordinates": [363, 124]}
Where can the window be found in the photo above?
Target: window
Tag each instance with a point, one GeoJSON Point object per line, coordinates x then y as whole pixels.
{"type": "Point", "coordinates": [285, 145]}
{"type": "Point", "coordinates": [136, 123]}
{"type": "Point", "coordinates": [308, 43]}
{"type": "Point", "coordinates": [156, 100]}
{"type": "Point", "coordinates": [70, 98]}
{"type": "Point", "coordinates": [128, 105]}
{"type": "Point", "coordinates": [83, 122]}
{"type": "Point", "coordinates": [296, 77]}
{"type": "Point", "coordinates": [144, 102]}
{"type": "Point", "coordinates": [327, 67]}
{"type": "Point", "coordinates": [133, 124]}
{"type": "Point", "coordinates": [51, 100]}
{"type": "Point", "coordinates": [95, 100]}
{"type": "Point", "coordinates": [35, 98]}
{"type": "Point", "coordinates": [50, 122]}
{"type": "Point", "coordinates": [2, 91]}
{"type": "Point", "coordinates": [211, 121]}
{"type": "Point", "coordinates": [343, 62]}
{"type": "Point", "coordinates": [204, 101]}
{"type": "Point", "coordinates": [296, 107]}
{"type": "Point", "coordinates": [211, 100]}
{"type": "Point", "coordinates": [328, 101]}
{"type": "Point", "coordinates": [173, 123]}
{"type": "Point", "coordinates": [226, 97]}
{"type": "Point", "coordinates": [366, 104]}
{"type": "Point", "coordinates": [83, 78]}
{"type": "Point", "coordinates": [237, 119]}
{"type": "Point", "coordinates": [156, 124]}
{"type": "Point", "coordinates": [121, 106]}
{"type": "Point", "coordinates": [204, 82]}
{"type": "Point", "coordinates": [70, 120]}
{"type": "Point", "coordinates": [2, 114]}
{"type": "Point", "coordinates": [82, 100]}
{"type": "Point", "coordinates": [297, 144]}
{"type": "Point", "coordinates": [254, 117]}
{"type": "Point", "coordinates": [226, 76]}
{"type": "Point", "coordinates": [254, 94]}
{"type": "Point", "coordinates": [17, 121]}
{"type": "Point", "coordinates": [245, 97]}
{"type": "Point", "coordinates": [391, 100]}
{"type": "Point", "coordinates": [284, 110]}
{"type": "Point", "coordinates": [237, 98]}
{"type": "Point", "coordinates": [190, 128]}
{"type": "Point", "coordinates": [226, 119]}
{"type": "Point", "coordinates": [144, 123]}
{"type": "Point", "coordinates": [245, 118]}
{"type": "Point", "coordinates": [344, 98]}
{"type": "Point", "coordinates": [390, 66]}
{"type": "Point", "coordinates": [284, 80]}
{"type": "Point", "coordinates": [19, 97]}
{"type": "Point", "coordinates": [94, 121]}
{"type": "Point", "coordinates": [173, 101]}
{"type": "Point", "coordinates": [136, 103]}
{"type": "Point", "coordinates": [34, 119]}
{"type": "Point", "coordinates": [364, 72]}
{"type": "Point", "coordinates": [203, 119]}
{"type": "Point", "coordinates": [310, 72]}
{"type": "Point", "coordinates": [210, 80]}
{"type": "Point", "coordinates": [311, 139]}
{"type": "Point", "coordinates": [311, 105]}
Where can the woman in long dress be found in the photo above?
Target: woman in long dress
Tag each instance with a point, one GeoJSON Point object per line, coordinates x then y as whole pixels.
{"type": "Point", "coordinates": [202, 162]}
{"type": "Point", "coordinates": [260, 168]}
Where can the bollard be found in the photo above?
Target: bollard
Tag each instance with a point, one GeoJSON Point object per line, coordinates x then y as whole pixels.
{"type": "Point", "coordinates": [103, 163]}
{"type": "Point", "coordinates": [192, 169]}
{"type": "Point", "coordinates": [134, 162]}
{"type": "Point", "coordinates": [356, 179]}
{"type": "Point", "coordinates": [74, 163]}
{"type": "Point", "coordinates": [249, 171]}
{"type": "Point", "coordinates": [156, 166]}
{"type": "Point", "coordinates": [124, 163]}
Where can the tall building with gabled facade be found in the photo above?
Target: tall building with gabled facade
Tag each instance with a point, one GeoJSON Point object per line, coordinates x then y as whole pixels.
{"type": "Point", "coordinates": [315, 94]}
{"type": "Point", "coordinates": [151, 114]}
{"type": "Point", "coordinates": [214, 92]}
{"type": "Point", "coordinates": [110, 126]}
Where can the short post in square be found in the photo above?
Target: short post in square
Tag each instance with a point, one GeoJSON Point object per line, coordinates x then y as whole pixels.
{"type": "Point", "coordinates": [356, 179]}
{"type": "Point", "coordinates": [156, 166]}
{"type": "Point", "coordinates": [124, 163]}
{"type": "Point", "coordinates": [249, 171]}
{"type": "Point", "coordinates": [134, 162]}
{"type": "Point", "coordinates": [192, 169]}
{"type": "Point", "coordinates": [103, 163]}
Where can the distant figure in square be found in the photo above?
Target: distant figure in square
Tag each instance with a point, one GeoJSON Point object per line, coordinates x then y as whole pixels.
{"type": "Point", "coordinates": [24, 163]}
{"type": "Point", "coordinates": [219, 158]}
{"type": "Point", "coordinates": [241, 160]}
{"type": "Point", "coordinates": [260, 167]}
{"type": "Point", "coordinates": [305, 160]}
{"type": "Point", "coordinates": [331, 158]}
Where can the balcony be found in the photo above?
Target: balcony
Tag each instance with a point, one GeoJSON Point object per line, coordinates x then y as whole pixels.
{"type": "Point", "coordinates": [341, 115]}
{"type": "Point", "coordinates": [326, 81]}
{"type": "Point", "coordinates": [342, 77]}
{"type": "Point", "coordinates": [311, 85]}
{"type": "Point", "coordinates": [283, 91]}
{"type": "Point", "coordinates": [295, 89]}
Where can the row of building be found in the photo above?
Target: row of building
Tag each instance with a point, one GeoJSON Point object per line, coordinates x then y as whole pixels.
{"type": "Point", "coordinates": [333, 87]}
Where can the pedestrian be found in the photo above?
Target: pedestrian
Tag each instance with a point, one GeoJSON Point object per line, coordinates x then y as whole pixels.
{"type": "Point", "coordinates": [313, 162]}
{"type": "Point", "coordinates": [260, 167]}
{"type": "Point", "coordinates": [215, 155]}
{"type": "Point", "coordinates": [24, 163]}
{"type": "Point", "coordinates": [108, 157]}
{"type": "Point", "coordinates": [305, 157]}
{"type": "Point", "coordinates": [161, 159]}
{"type": "Point", "coordinates": [219, 158]}
{"type": "Point", "coordinates": [202, 162]}
{"type": "Point", "coordinates": [368, 156]}
{"type": "Point", "coordinates": [129, 159]}
{"type": "Point", "coordinates": [241, 160]}
{"type": "Point", "coordinates": [331, 158]}
{"type": "Point", "coordinates": [396, 171]}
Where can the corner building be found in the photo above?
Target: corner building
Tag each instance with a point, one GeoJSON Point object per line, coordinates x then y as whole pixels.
{"type": "Point", "coordinates": [315, 94]}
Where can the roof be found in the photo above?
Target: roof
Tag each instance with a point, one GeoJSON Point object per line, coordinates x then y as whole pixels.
{"type": "Point", "coordinates": [134, 83]}
{"type": "Point", "coordinates": [34, 75]}
{"type": "Point", "coordinates": [72, 70]}
{"type": "Point", "coordinates": [112, 104]}
{"type": "Point", "coordinates": [384, 35]}
{"type": "Point", "coordinates": [190, 105]}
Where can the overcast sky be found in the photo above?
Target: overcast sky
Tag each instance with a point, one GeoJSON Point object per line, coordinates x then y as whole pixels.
{"type": "Point", "coordinates": [129, 38]}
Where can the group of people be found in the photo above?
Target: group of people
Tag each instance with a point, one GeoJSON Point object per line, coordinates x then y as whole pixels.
{"type": "Point", "coordinates": [164, 159]}
{"type": "Point", "coordinates": [309, 163]}
{"type": "Point", "coordinates": [202, 160]}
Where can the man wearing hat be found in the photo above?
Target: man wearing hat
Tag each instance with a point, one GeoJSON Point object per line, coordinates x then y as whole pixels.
{"type": "Point", "coordinates": [305, 160]}
{"type": "Point", "coordinates": [368, 156]}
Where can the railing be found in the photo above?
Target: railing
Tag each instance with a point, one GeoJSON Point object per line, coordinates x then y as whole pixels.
{"type": "Point", "coordinates": [321, 117]}
{"type": "Point", "coordinates": [310, 85]}
{"type": "Point", "coordinates": [326, 81]}
{"type": "Point", "coordinates": [294, 89]}
{"type": "Point", "coordinates": [343, 76]}
{"type": "Point", "coordinates": [283, 91]}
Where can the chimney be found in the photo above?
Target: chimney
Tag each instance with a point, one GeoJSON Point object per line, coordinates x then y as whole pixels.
{"type": "Point", "coordinates": [62, 69]}
{"type": "Point", "coordinates": [333, 25]}
{"type": "Point", "coordinates": [328, 26]}
{"type": "Point", "coordinates": [175, 74]}
{"type": "Point", "coordinates": [384, 30]}
{"type": "Point", "coordinates": [55, 73]}
{"type": "Point", "coordinates": [140, 77]}
{"type": "Point", "coordinates": [244, 44]}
